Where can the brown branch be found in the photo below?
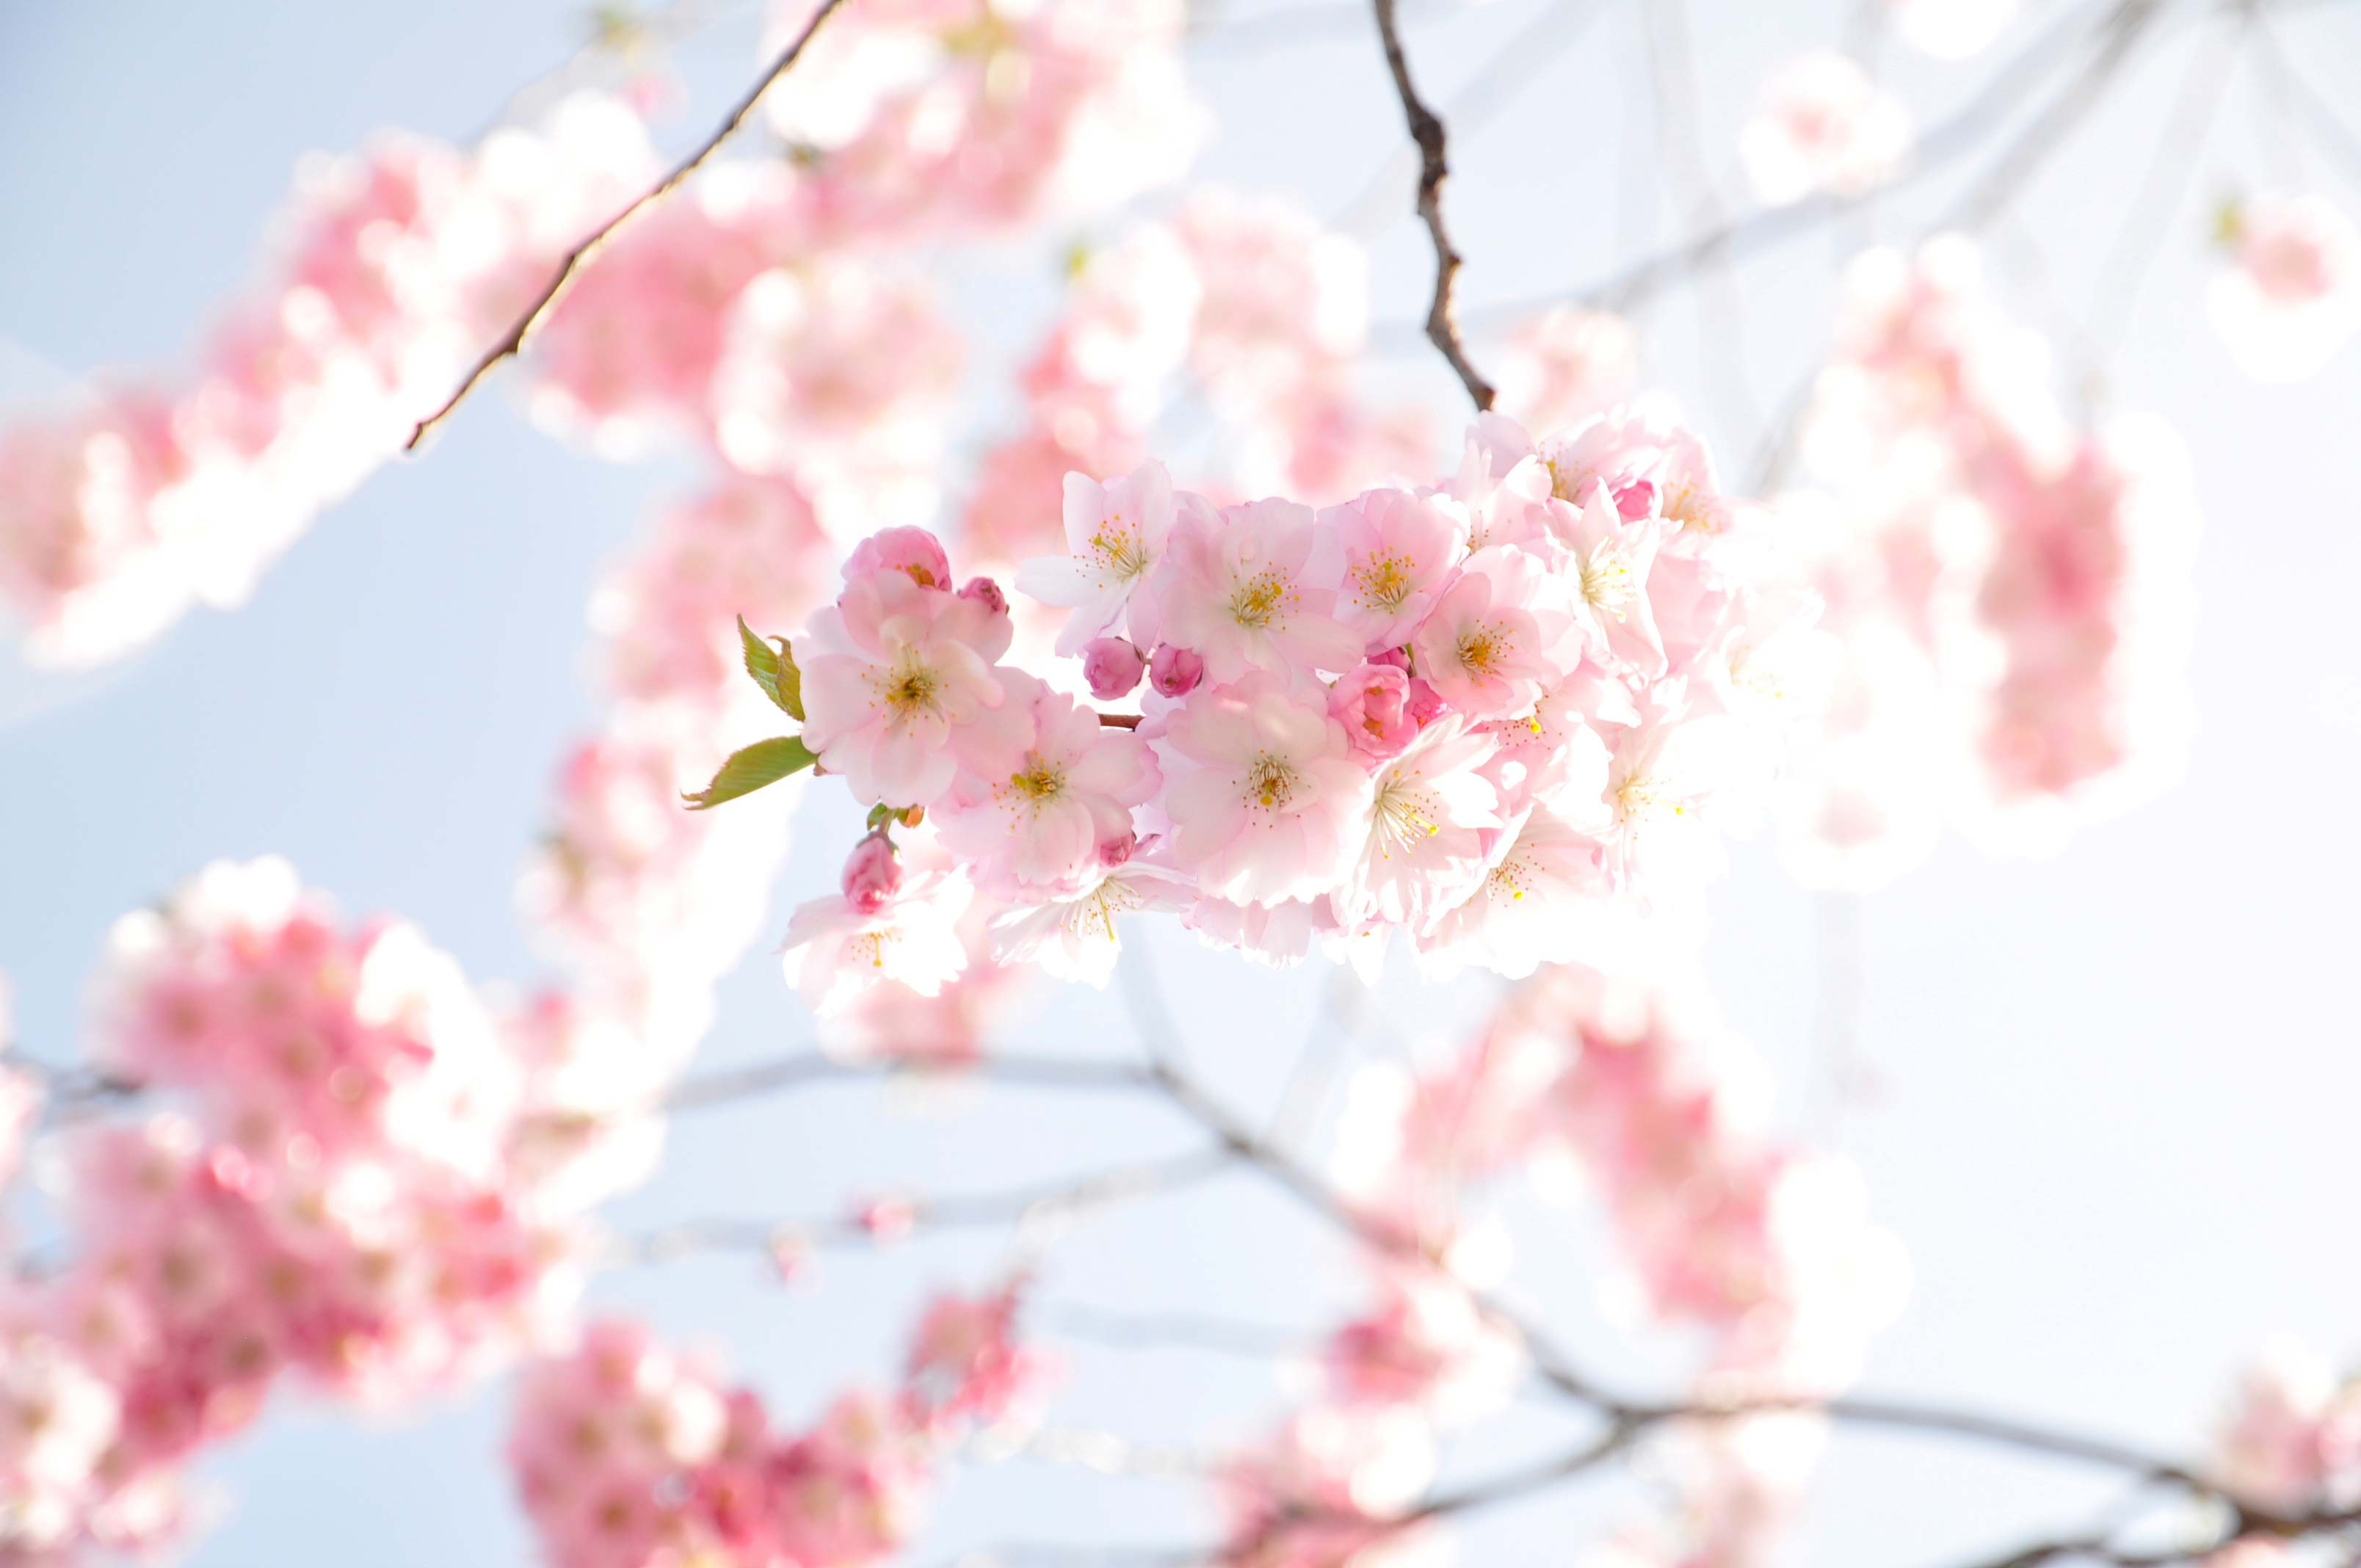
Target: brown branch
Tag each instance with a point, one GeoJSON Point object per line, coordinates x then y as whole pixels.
{"type": "Point", "coordinates": [1119, 721]}
{"type": "Point", "coordinates": [509, 346]}
{"type": "Point", "coordinates": [1628, 1419]}
{"type": "Point", "coordinates": [1426, 130]}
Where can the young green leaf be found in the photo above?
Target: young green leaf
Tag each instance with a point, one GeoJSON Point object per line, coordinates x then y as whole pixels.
{"type": "Point", "coordinates": [763, 663]}
{"type": "Point", "coordinates": [764, 763]}
{"type": "Point", "coordinates": [791, 681]}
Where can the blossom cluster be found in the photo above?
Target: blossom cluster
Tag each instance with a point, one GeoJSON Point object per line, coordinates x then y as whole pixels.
{"type": "Point", "coordinates": [630, 1455]}
{"type": "Point", "coordinates": [368, 1186]}
{"type": "Point", "coordinates": [1634, 1088]}
{"type": "Point", "coordinates": [731, 314]}
{"type": "Point", "coordinates": [2010, 592]}
{"type": "Point", "coordinates": [397, 266]}
{"type": "Point", "coordinates": [1494, 718]}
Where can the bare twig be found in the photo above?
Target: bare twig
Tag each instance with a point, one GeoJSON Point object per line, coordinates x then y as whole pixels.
{"type": "Point", "coordinates": [2041, 139]}
{"type": "Point", "coordinates": [1763, 228]}
{"type": "Point", "coordinates": [1426, 130]}
{"type": "Point", "coordinates": [1021, 1205]}
{"type": "Point", "coordinates": [509, 347]}
{"type": "Point", "coordinates": [730, 1085]}
{"type": "Point", "coordinates": [1236, 1143]}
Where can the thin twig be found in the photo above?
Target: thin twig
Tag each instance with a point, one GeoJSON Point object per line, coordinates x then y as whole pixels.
{"type": "Point", "coordinates": [1426, 130]}
{"type": "Point", "coordinates": [581, 255]}
{"type": "Point", "coordinates": [1764, 227]}
{"type": "Point", "coordinates": [968, 1211]}
{"type": "Point", "coordinates": [2041, 139]}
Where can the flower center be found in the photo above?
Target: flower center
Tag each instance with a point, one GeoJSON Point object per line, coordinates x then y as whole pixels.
{"type": "Point", "coordinates": [1258, 600]}
{"type": "Point", "coordinates": [1270, 782]}
{"type": "Point", "coordinates": [1384, 580]}
{"type": "Point", "coordinates": [1606, 585]}
{"type": "Point", "coordinates": [1481, 648]}
{"type": "Point", "coordinates": [1639, 799]}
{"type": "Point", "coordinates": [1094, 913]}
{"type": "Point", "coordinates": [1040, 783]}
{"type": "Point", "coordinates": [909, 689]}
{"type": "Point", "coordinates": [1119, 550]}
{"type": "Point", "coordinates": [1404, 814]}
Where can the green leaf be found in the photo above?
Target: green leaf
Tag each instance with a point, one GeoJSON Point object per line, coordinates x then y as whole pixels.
{"type": "Point", "coordinates": [774, 670]}
{"type": "Point", "coordinates": [791, 682]}
{"type": "Point", "coordinates": [764, 763]}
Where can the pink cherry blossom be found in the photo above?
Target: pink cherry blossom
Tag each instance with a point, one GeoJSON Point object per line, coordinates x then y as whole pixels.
{"type": "Point", "coordinates": [898, 682]}
{"type": "Point", "coordinates": [1822, 125]}
{"type": "Point", "coordinates": [1116, 535]}
{"type": "Point", "coordinates": [1040, 800]}
{"type": "Point", "coordinates": [1254, 588]}
{"type": "Point", "coordinates": [2291, 295]}
{"type": "Point", "coordinates": [1496, 638]}
{"type": "Point", "coordinates": [1400, 549]}
{"type": "Point", "coordinates": [1264, 790]}
{"type": "Point", "coordinates": [835, 949]}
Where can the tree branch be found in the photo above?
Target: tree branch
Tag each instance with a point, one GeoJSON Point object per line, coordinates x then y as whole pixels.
{"type": "Point", "coordinates": [581, 255]}
{"type": "Point", "coordinates": [1763, 228]}
{"type": "Point", "coordinates": [1426, 130]}
{"type": "Point", "coordinates": [969, 1211]}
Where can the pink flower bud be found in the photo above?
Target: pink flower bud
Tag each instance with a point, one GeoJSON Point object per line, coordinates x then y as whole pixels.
{"type": "Point", "coordinates": [1397, 657]}
{"type": "Point", "coordinates": [1373, 703]}
{"type": "Point", "coordinates": [886, 1219]}
{"type": "Point", "coordinates": [1114, 851]}
{"type": "Point", "coordinates": [871, 874]}
{"type": "Point", "coordinates": [985, 592]}
{"type": "Point", "coordinates": [910, 549]}
{"type": "Point", "coordinates": [1112, 666]}
{"type": "Point", "coordinates": [1637, 498]}
{"type": "Point", "coordinates": [1426, 703]}
{"type": "Point", "coordinates": [1175, 672]}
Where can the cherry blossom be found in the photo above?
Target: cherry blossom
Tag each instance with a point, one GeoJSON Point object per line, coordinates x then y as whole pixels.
{"type": "Point", "coordinates": [2291, 294]}
{"type": "Point", "coordinates": [1823, 125]}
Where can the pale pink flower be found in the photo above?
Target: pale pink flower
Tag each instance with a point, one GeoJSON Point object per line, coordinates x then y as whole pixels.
{"type": "Point", "coordinates": [1425, 834]}
{"type": "Point", "coordinates": [2292, 297]}
{"type": "Point", "coordinates": [1051, 787]}
{"type": "Point", "coordinates": [1399, 548]}
{"type": "Point", "coordinates": [898, 683]}
{"type": "Point", "coordinates": [1263, 791]}
{"type": "Point", "coordinates": [1498, 637]}
{"type": "Point", "coordinates": [1822, 125]}
{"type": "Point", "coordinates": [835, 949]}
{"type": "Point", "coordinates": [1608, 571]}
{"type": "Point", "coordinates": [1116, 535]}
{"type": "Point", "coordinates": [1254, 588]}
{"type": "Point", "coordinates": [1077, 936]}
{"type": "Point", "coordinates": [1534, 904]}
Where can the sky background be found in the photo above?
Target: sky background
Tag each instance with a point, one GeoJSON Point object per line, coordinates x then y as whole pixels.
{"type": "Point", "coordinates": [2106, 1100]}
